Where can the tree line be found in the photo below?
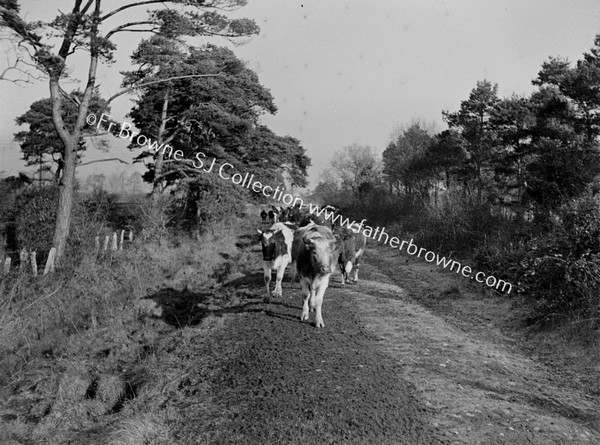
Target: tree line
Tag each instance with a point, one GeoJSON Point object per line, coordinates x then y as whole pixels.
{"type": "Point", "coordinates": [512, 182]}
{"type": "Point", "coordinates": [192, 97]}
{"type": "Point", "coordinates": [529, 153]}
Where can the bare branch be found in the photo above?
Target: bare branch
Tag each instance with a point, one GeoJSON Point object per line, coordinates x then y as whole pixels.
{"type": "Point", "coordinates": [16, 67]}
{"type": "Point", "coordinates": [153, 82]}
{"type": "Point", "coordinates": [178, 170]}
{"type": "Point", "coordinates": [96, 135]}
{"type": "Point", "coordinates": [126, 25]}
{"type": "Point", "coordinates": [179, 161]}
{"type": "Point", "coordinates": [73, 99]}
{"type": "Point", "coordinates": [102, 160]}
{"type": "Point", "coordinates": [122, 8]}
{"type": "Point", "coordinates": [87, 6]}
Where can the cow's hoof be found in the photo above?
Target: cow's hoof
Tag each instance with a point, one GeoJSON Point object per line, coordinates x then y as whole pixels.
{"type": "Point", "coordinates": [304, 316]}
{"type": "Point", "coordinates": [267, 299]}
{"type": "Point", "coordinates": [320, 324]}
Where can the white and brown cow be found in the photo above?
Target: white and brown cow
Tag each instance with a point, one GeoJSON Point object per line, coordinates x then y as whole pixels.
{"type": "Point", "coordinates": [277, 254]}
{"type": "Point", "coordinates": [314, 254]}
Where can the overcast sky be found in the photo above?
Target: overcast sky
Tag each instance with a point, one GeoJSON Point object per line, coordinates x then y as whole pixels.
{"type": "Point", "coordinates": [350, 71]}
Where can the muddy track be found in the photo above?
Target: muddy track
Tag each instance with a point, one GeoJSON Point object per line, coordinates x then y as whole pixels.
{"type": "Point", "coordinates": [278, 380]}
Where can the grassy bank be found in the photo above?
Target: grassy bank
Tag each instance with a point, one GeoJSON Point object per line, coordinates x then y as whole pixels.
{"type": "Point", "coordinates": [78, 347]}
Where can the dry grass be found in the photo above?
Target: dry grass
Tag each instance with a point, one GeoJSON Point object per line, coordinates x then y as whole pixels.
{"type": "Point", "coordinates": [78, 347]}
{"type": "Point", "coordinates": [142, 430]}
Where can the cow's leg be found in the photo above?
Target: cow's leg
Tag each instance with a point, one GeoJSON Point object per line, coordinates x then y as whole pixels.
{"type": "Point", "coordinates": [267, 276]}
{"type": "Point", "coordinates": [305, 297]}
{"type": "Point", "coordinates": [280, 272]}
{"type": "Point", "coordinates": [356, 267]}
{"type": "Point", "coordinates": [321, 288]}
{"type": "Point", "coordinates": [346, 272]}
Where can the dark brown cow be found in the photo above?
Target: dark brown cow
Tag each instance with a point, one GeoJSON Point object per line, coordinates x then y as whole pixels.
{"type": "Point", "coordinates": [313, 258]}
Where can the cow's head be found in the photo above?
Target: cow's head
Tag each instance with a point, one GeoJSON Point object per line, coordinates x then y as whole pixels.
{"type": "Point", "coordinates": [268, 240]}
{"type": "Point", "coordinates": [322, 254]}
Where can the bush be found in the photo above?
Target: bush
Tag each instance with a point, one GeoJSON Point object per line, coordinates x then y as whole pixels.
{"type": "Point", "coordinates": [204, 200]}
{"type": "Point", "coordinates": [35, 215]}
{"type": "Point", "coordinates": [560, 270]}
{"type": "Point", "coordinates": [458, 225]}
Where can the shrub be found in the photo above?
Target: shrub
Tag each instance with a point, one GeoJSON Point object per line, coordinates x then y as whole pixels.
{"type": "Point", "coordinates": [457, 224]}
{"type": "Point", "coordinates": [204, 200]}
{"type": "Point", "coordinates": [561, 269]}
{"type": "Point", "coordinates": [35, 215]}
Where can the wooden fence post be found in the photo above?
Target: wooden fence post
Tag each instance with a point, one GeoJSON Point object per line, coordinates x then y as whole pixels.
{"type": "Point", "coordinates": [50, 262]}
{"type": "Point", "coordinates": [131, 236]}
{"type": "Point", "coordinates": [23, 256]}
{"type": "Point", "coordinates": [7, 262]}
{"type": "Point", "coordinates": [105, 244]}
{"type": "Point", "coordinates": [114, 241]}
{"type": "Point", "coordinates": [33, 263]}
{"type": "Point", "coordinates": [122, 238]}
{"type": "Point", "coordinates": [97, 246]}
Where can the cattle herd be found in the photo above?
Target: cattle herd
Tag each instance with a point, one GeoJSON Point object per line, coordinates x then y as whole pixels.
{"type": "Point", "coordinates": [316, 249]}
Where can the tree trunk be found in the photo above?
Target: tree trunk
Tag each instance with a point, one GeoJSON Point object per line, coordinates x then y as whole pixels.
{"type": "Point", "coordinates": [70, 139]}
{"type": "Point", "coordinates": [65, 202]}
{"type": "Point", "coordinates": [159, 155]}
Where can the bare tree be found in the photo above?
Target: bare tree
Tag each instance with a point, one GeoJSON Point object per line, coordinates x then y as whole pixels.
{"type": "Point", "coordinates": [357, 167]}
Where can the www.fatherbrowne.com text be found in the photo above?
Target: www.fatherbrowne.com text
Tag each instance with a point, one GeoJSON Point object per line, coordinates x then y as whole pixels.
{"type": "Point", "coordinates": [227, 172]}
{"type": "Point", "coordinates": [380, 235]}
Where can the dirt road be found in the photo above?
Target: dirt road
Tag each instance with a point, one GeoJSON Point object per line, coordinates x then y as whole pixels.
{"type": "Point", "coordinates": [385, 369]}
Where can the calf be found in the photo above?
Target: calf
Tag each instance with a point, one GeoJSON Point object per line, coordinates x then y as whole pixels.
{"type": "Point", "coordinates": [313, 256]}
{"type": "Point", "coordinates": [276, 251]}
